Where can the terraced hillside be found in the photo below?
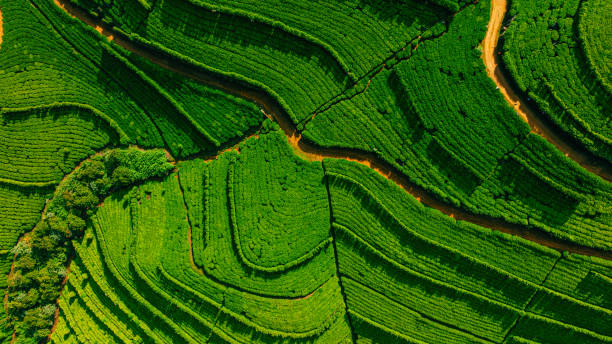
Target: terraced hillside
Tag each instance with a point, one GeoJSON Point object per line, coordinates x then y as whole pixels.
{"type": "Point", "coordinates": [361, 171]}
{"type": "Point", "coordinates": [571, 85]}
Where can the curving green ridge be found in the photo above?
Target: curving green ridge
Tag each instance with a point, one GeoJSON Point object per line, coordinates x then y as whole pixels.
{"type": "Point", "coordinates": [175, 210]}
{"type": "Point", "coordinates": [394, 270]}
{"type": "Point", "coordinates": [275, 197]}
{"type": "Point", "coordinates": [151, 267]}
{"type": "Point", "coordinates": [437, 118]}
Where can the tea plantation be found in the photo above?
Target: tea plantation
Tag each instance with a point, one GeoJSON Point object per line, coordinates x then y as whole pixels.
{"type": "Point", "coordinates": [267, 171]}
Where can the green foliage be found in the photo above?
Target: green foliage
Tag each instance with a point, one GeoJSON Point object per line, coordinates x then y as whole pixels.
{"type": "Point", "coordinates": [595, 38]}
{"type": "Point", "coordinates": [233, 231]}
{"type": "Point", "coordinates": [224, 117]}
{"type": "Point", "coordinates": [554, 51]}
{"type": "Point", "coordinates": [69, 68]}
{"type": "Point", "coordinates": [410, 272]}
{"type": "Point", "coordinates": [437, 118]}
{"type": "Point", "coordinates": [301, 60]}
{"type": "Point", "coordinates": [40, 256]}
{"type": "Point", "coordinates": [138, 261]}
{"type": "Point", "coordinates": [43, 144]}
{"type": "Point", "coordinates": [20, 210]}
{"type": "Point", "coordinates": [260, 246]}
{"type": "Point", "coordinates": [279, 207]}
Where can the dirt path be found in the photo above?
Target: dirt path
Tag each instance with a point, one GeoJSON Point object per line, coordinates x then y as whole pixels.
{"type": "Point", "coordinates": [492, 60]}
{"type": "Point", "coordinates": [311, 152]}
{"type": "Point", "coordinates": [1, 29]}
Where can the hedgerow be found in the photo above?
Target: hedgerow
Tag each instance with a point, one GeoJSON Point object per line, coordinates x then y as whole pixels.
{"type": "Point", "coordinates": [41, 256]}
{"type": "Point", "coordinates": [20, 209]}
{"type": "Point", "coordinates": [542, 329]}
{"type": "Point", "coordinates": [352, 25]}
{"type": "Point", "coordinates": [543, 52]}
{"type": "Point", "coordinates": [107, 288]}
{"type": "Point", "coordinates": [571, 311]}
{"type": "Point", "coordinates": [219, 39]}
{"type": "Point", "coordinates": [257, 245]}
{"type": "Point", "coordinates": [448, 281]}
{"type": "Point", "coordinates": [255, 306]}
{"type": "Point", "coordinates": [408, 289]}
{"type": "Point", "coordinates": [224, 117]}
{"type": "Point", "coordinates": [224, 263]}
{"type": "Point", "coordinates": [398, 318]}
{"type": "Point", "coordinates": [41, 145]}
{"type": "Point", "coordinates": [588, 279]}
{"type": "Point", "coordinates": [57, 70]}
{"type": "Point", "coordinates": [71, 65]}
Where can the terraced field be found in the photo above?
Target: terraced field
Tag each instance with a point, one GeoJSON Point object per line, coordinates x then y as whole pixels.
{"type": "Point", "coordinates": [194, 171]}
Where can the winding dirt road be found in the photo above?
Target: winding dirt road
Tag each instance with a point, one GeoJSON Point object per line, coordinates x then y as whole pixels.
{"type": "Point", "coordinates": [493, 61]}
{"type": "Point", "coordinates": [1, 30]}
{"type": "Point", "coordinates": [311, 152]}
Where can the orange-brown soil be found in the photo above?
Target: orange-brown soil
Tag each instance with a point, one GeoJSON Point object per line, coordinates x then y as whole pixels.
{"type": "Point", "coordinates": [312, 152]}
{"type": "Point", "coordinates": [492, 61]}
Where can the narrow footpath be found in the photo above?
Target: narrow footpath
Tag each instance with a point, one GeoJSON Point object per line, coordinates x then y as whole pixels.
{"type": "Point", "coordinates": [311, 152]}
{"type": "Point", "coordinates": [1, 30]}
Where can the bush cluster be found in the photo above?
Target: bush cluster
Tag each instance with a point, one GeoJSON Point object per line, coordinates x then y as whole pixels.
{"type": "Point", "coordinates": [41, 255]}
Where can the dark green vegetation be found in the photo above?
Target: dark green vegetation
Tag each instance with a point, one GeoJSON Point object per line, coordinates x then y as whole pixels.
{"type": "Point", "coordinates": [134, 264]}
{"type": "Point", "coordinates": [411, 274]}
{"type": "Point", "coordinates": [245, 242]}
{"type": "Point", "coordinates": [302, 61]}
{"type": "Point", "coordinates": [466, 146]}
{"type": "Point", "coordinates": [558, 52]}
{"type": "Point", "coordinates": [439, 120]}
{"type": "Point", "coordinates": [41, 256]}
{"type": "Point", "coordinates": [65, 94]}
{"type": "Point", "coordinates": [389, 269]}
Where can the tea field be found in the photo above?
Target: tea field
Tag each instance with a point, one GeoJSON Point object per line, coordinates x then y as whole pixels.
{"type": "Point", "coordinates": [357, 171]}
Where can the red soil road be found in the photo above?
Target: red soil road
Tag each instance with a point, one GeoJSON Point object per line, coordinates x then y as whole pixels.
{"type": "Point", "coordinates": [311, 152]}
{"type": "Point", "coordinates": [492, 60]}
{"type": "Point", "coordinates": [1, 30]}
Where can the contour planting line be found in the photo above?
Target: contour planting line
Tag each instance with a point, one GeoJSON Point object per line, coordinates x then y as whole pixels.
{"type": "Point", "coordinates": [273, 108]}
{"type": "Point", "coordinates": [235, 231]}
{"type": "Point", "coordinates": [100, 30]}
{"type": "Point", "coordinates": [332, 232]}
{"type": "Point", "coordinates": [387, 64]}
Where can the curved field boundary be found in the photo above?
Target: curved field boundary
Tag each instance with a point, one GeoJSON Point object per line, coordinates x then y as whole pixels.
{"type": "Point", "coordinates": [586, 45]}
{"type": "Point", "coordinates": [274, 109]}
{"type": "Point", "coordinates": [493, 64]}
{"type": "Point", "coordinates": [28, 184]}
{"type": "Point", "coordinates": [124, 139]}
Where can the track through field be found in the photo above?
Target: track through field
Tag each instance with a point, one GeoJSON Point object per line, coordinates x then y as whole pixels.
{"type": "Point", "coordinates": [1, 30]}
{"type": "Point", "coordinates": [311, 152]}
